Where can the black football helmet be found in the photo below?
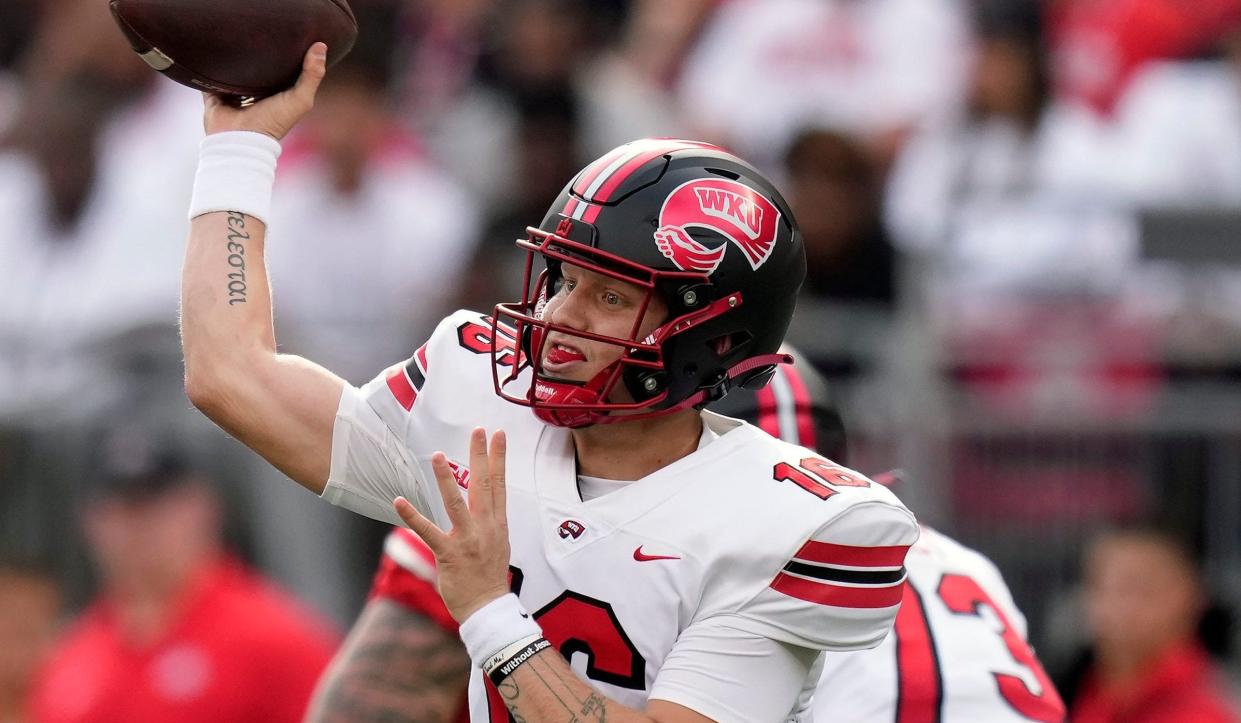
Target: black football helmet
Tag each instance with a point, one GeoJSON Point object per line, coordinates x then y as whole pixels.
{"type": "Point", "coordinates": [685, 220]}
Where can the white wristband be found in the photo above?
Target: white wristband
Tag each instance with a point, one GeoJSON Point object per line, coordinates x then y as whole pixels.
{"type": "Point", "coordinates": [236, 171]}
{"type": "Point", "coordinates": [495, 626]}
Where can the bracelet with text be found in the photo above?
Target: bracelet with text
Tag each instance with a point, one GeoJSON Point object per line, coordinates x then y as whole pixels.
{"type": "Point", "coordinates": [502, 671]}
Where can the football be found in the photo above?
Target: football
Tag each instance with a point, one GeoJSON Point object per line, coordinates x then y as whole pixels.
{"type": "Point", "coordinates": [239, 48]}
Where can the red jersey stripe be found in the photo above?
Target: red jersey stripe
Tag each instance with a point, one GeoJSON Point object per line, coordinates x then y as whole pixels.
{"type": "Point", "coordinates": [802, 405]}
{"type": "Point", "coordinates": [838, 595]}
{"type": "Point", "coordinates": [827, 553]}
{"type": "Point", "coordinates": [919, 688]}
{"type": "Point", "coordinates": [768, 418]}
{"type": "Point", "coordinates": [402, 388]}
{"type": "Point", "coordinates": [421, 356]}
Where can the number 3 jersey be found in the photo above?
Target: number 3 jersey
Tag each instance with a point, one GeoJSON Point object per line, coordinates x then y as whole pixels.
{"type": "Point", "coordinates": [958, 651]}
{"type": "Point", "coordinates": [713, 582]}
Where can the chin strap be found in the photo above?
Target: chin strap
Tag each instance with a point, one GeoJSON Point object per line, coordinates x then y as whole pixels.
{"type": "Point", "coordinates": [704, 396]}
{"type": "Point", "coordinates": [556, 392]}
{"type": "Point", "coordinates": [566, 393]}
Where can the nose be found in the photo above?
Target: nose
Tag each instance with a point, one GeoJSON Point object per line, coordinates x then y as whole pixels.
{"type": "Point", "coordinates": [567, 310]}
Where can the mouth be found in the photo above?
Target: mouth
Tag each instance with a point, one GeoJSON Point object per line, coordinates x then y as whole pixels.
{"type": "Point", "coordinates": [559, 356]}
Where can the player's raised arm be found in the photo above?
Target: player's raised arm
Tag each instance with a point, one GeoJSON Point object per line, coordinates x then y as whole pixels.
{"type": "Point", "coordinates": [281, 406]}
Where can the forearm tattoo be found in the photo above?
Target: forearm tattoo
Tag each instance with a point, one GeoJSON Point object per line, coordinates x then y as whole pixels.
{"type": "Point", "coordinates": [237, 235]}
{"type": "Point", "coordinates": [560, 682]}
{"type": "Point", "coordinates": [397, 667]}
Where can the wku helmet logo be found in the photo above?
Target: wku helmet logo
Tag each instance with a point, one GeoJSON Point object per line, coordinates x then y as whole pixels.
{"type": "Point", "coordinates": [731, 209]}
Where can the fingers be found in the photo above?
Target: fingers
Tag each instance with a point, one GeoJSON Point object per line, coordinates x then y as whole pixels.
{"type": "Point", "coordinates": [454, 503]}
{"type": "Point", "coordinates": [480, 479]}
{"type": "Point", "coordinates": [314, 67]}
{"type": "Point", "coordinates": [424, 528]}
{"type": "Point", "coordinates": [499, 490]}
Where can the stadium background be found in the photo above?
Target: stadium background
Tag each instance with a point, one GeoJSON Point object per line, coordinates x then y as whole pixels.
{"type": "Point", "coordinates": [1023, 222]}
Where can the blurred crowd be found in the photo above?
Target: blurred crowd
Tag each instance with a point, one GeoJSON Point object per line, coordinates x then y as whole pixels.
{"type": "Point", "coordinates": [1023, 224]}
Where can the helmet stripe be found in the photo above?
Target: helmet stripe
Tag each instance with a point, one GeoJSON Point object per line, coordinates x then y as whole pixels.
{"type": "Point", "coordinates": [602, 179]}
{"type": "Point", "coordinates": [595, 169]}
{"type": "Point", "coordinates": [608, 187]}
{"type": "Point", "coordinates": [614, 167]}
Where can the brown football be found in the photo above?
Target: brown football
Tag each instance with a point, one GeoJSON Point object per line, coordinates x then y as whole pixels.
{"type": "Point", "coordinates": [243, 48]}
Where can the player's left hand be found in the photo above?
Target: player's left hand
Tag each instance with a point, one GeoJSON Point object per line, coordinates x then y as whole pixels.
{"type": "Point", "coordinates": [473, 558]}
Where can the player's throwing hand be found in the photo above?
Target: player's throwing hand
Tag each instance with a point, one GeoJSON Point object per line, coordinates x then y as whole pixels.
{"type": "Point", "coordinates": [274, 116]}
{"type": "Point", "coordinates": [473, 558]}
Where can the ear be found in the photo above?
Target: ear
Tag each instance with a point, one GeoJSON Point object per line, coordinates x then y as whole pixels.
{"type": "Point", "coordinates": [722, 344]}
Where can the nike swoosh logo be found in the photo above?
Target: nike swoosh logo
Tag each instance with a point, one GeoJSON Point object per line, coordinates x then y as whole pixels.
{"type": "Point", "coordinates": [641, 556]}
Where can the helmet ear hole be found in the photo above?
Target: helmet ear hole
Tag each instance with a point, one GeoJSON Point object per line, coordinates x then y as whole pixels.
{"type": "Point", "coordinates": [730, 344]}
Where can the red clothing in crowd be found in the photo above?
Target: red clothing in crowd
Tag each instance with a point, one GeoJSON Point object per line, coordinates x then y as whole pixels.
{"type": "Point", "coordinates": [1100, 44]}
{"type": "Point", "coordinates": [237, 650]}
{"type": "Point", "coordinates": [1182, 687]}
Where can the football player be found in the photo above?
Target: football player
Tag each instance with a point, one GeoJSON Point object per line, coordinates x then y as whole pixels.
{"type": "Point", "coordinates": [948, 661]}
{"type": "Point", "coordinates": [613, 552]}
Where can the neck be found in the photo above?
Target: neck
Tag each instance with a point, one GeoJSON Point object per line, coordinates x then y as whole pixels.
{"type": "Point", "coordinates": [145, 606]}
{"type": "Point", "coordinates": [13, 704]}
{"type": "Point", "coordinates": [1122, 668]}
{"type": "Point", "coordinates": [633, 450]}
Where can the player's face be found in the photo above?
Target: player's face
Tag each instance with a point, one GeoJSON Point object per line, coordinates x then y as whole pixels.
{"type": "Point", "coordinates": [589, 301]}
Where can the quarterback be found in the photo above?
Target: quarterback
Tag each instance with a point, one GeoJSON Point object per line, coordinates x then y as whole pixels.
{"type": "Point", "coordinates": [958, 652]}
{"type": "Point", "coordinates": [610, 551]}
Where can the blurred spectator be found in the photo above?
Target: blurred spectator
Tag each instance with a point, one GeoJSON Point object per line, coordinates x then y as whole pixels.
{"type": "Point", "coordinates": [182, 630]}
{"type": "Point", "coordinates": [544, 155]}
{"type": "Point", "coordinates": [836, 193]}
{"type": "Point", "coordinates": [368, 243]}
{"type": "Point", "coordinates": [1181, 135]}
{"type": "Point", "coordinates": [91, 169]}
{"type": "Point", "coordinates": [355, 178]}
{"type": "Point", "coordinates": [1100, 45]}
{"type": "Point", "coordinates": [1014, 191]}
{"type": "Point", "coordinates": [629, 91]}
{"type": "Point", "coordinates": [765, 68]}
{"type": "Point", "coordinates": [468, 66]}
{"type": "Point", "coordinates": [30, 603]}
{"type": "Point", "coordinates": [16, 23]}
{"type": "Point", "coordinates": [1144, 600]}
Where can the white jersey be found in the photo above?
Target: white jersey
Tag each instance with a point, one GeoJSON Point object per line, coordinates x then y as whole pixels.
{"type": "Point", "coordinates": [712, 582]}
{"type": "Point", "coordinates": [958, 652]}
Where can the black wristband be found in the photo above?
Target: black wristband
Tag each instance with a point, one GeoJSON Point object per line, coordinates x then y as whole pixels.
{"type": "Point", "coordinates": [505, 669]}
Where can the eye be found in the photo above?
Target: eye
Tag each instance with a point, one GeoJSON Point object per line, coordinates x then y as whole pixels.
{"type": "Point", "coordinates": [611, 298]}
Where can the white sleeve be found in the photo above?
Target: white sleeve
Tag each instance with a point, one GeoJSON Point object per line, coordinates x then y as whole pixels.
{"type": "Point", "coordinates": [371, 467]}
{"type": "Point", "coordinates": [841, 590]}
{"type": "Point", "coordinates": [731, 675]}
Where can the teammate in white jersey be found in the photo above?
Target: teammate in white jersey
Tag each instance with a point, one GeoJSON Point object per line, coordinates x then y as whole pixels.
{"type": "Point", "coordinates": [685, 566]}
{"type": "Point", "coordinates": [959, 653]}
